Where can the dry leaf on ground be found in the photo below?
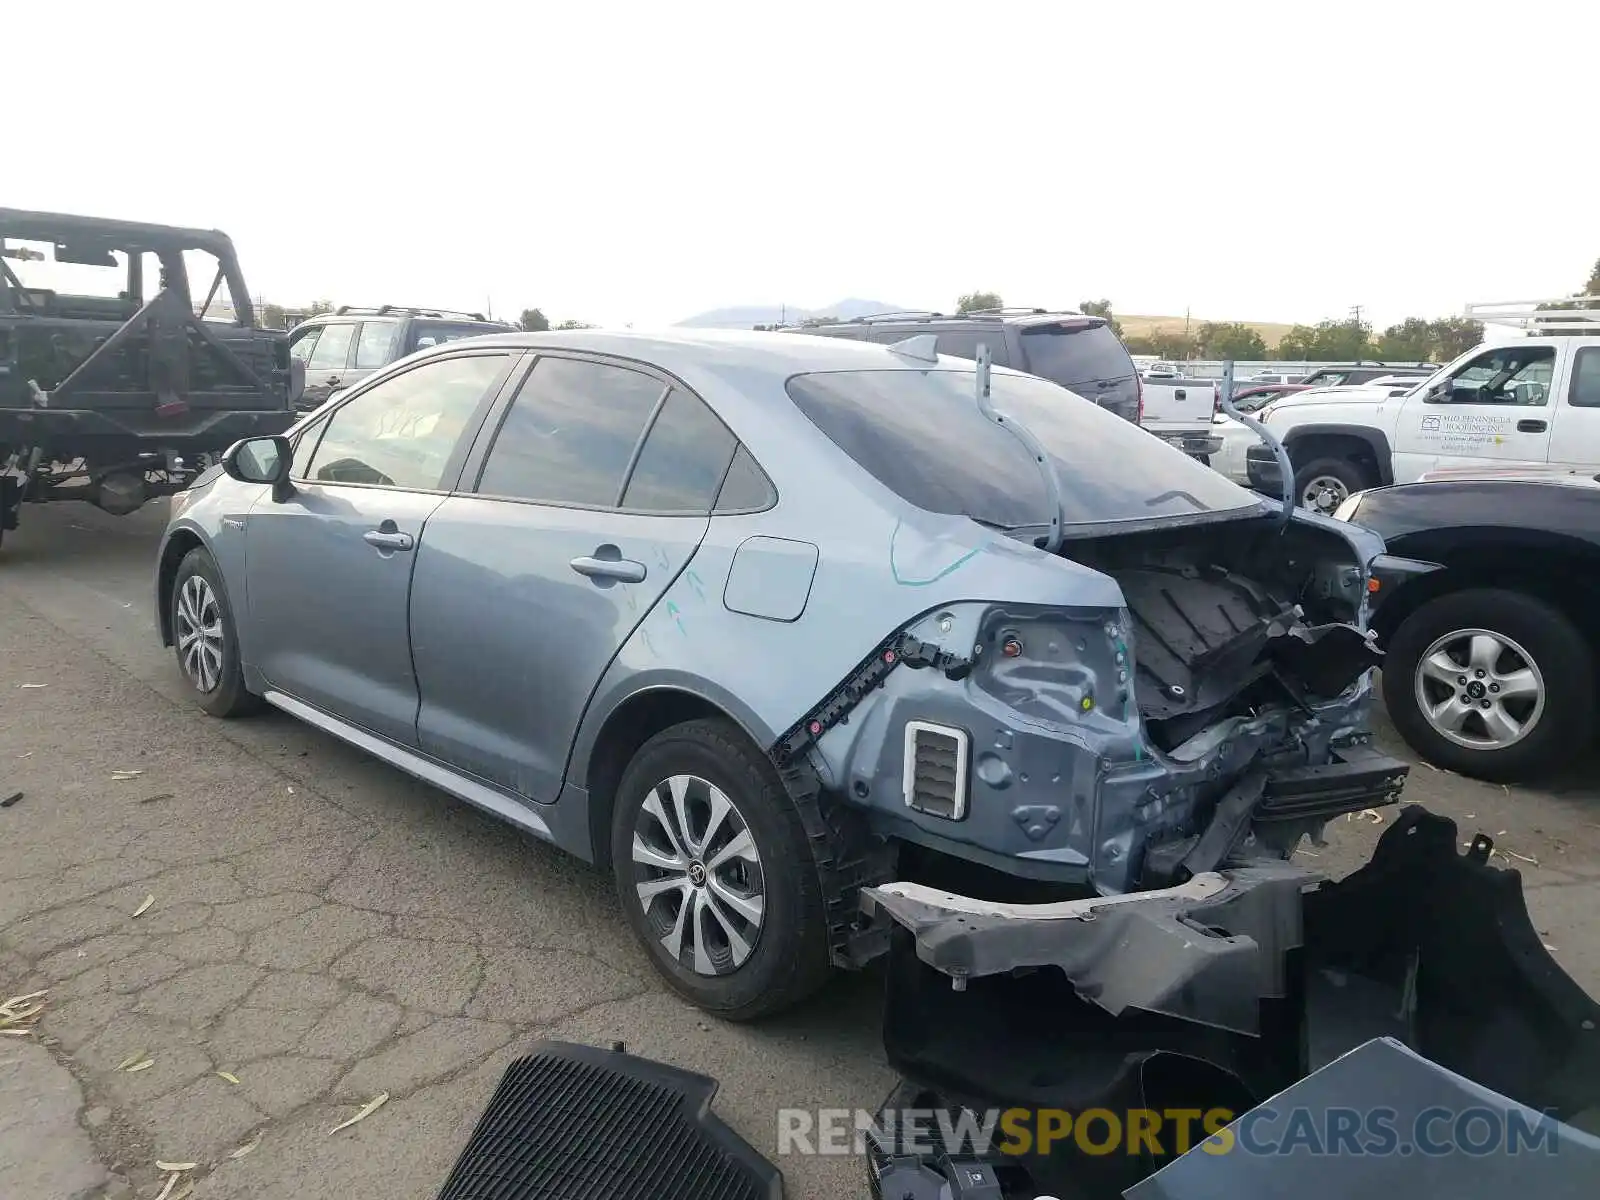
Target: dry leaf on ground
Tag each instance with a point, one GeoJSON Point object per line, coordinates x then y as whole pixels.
{"type": "Point", "coordinates": [372, 1106]}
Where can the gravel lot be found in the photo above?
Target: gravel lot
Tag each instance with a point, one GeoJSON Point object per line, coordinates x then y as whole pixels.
{"type": "Point", "coordinates": [325, 929]}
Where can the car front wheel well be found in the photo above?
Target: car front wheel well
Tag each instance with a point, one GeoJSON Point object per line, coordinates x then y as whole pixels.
{"type": "Point", "coordinates": [1314, 446]}
{"type": "Point", "coordinates": [172, 554]}
{"type": "Point", "coordinates": [635, 721]}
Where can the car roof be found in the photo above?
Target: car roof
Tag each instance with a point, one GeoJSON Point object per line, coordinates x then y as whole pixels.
{"type": "Point", "coordinates": [681, 350]}
{"type": "Point", "coordinates": [1003, 316]}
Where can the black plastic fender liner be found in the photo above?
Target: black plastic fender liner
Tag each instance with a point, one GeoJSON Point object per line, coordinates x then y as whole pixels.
{"type": "Point", "coordinates": [573, 1122]}
{"type": "Point", "coordinates": [1423, 1109]}
{"type": "Point", "coordinates": [1450, 936]}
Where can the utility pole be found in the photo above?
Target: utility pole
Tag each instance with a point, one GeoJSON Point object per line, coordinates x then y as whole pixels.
{"type": "Point", "coordinates": [1355, 315]}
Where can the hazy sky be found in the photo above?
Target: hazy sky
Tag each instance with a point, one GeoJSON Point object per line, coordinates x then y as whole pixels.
{"type": "Point", "coordinates": [643, 162]}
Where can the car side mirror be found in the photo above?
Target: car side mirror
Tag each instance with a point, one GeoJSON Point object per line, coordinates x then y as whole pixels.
{"type": "Point", "coordinates": [262, 460]}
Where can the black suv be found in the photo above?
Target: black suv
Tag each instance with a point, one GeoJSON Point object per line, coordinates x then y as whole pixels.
{"type": "Point", "coordinates": [1081, 353]}
{"type": "Point", "coordinates": [349, 343]}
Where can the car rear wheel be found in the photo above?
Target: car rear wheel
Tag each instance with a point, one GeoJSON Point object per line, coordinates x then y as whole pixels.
{"type": "Point", "coordinates": [715, 874]}
{"type": "Point", "coordinates": [1492, 684]}
{"type": "Point", "coordinates": [1325, 484]}
{"type": "Point", "coordinates": [205, 639]}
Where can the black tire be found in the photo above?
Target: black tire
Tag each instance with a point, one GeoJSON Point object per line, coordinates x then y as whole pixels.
{"type": "Point", "coordinates": [1354, 475]}
{"type": "Point", "coordinates": [228, 697]}
{"type": "Point", "coordinates": [1559, 653]}
{"type": "Point", "coordinates": [788, 958]}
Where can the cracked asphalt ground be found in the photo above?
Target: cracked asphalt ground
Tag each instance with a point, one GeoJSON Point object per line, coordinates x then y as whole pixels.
{"type": "Point", "coordinates": [325, 929]}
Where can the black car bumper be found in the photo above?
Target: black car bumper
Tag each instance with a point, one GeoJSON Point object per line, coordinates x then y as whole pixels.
{"type": "Point", "coordinates": [1261, 468]}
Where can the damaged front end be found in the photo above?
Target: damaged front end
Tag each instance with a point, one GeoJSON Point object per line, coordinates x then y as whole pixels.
{"type": "Point", "coordinates": [1223, 991]}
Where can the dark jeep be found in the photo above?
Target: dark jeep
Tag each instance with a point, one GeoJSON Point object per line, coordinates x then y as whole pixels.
{"type": "Point", "coordinates": [120, 378]}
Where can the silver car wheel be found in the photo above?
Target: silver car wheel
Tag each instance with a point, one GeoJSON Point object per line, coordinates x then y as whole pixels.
{"type": "Point", "coordinates": [698, 875]}
{"type": "Point", "coordinates": [199, 633]}
{"type": "Point", "coordinates": [1479, 689]}
{"type": "Point", "coordinates": [1323, 494]}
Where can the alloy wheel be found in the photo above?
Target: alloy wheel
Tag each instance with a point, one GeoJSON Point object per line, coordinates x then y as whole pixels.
{"type": "Point", "coordinates": [697, 873]}
{"type": "Point", "coordinates": [1479, 689]}
{"type": "Point", "coordinates": [199, 633]}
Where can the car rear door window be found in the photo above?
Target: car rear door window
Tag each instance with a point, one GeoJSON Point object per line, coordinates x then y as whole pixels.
{"type": "Point", "coordinates": [1586, 378]}
{"type": "Point", "coordinates": [332, 350]}
{"type": "Point", "coordinates": [376, 346]}
{"type": "Point", "coordinates": [964, 343]}
{"type": "Point", "coordinates": [746, 487]}
{"type": "Point", "coordinates": [405, 430]}
{"type": "Point", "coordinates": [570, 434]}
{"type": "Point", "coordinates": [1075, 351]}
{"type": "Point", "coordinates": [683, 460]}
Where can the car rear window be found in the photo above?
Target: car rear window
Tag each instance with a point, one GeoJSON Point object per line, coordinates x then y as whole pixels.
{"type": "Point", "coordinates": [1075, 352]}
{"type": "Point", "coordinates": [921, 434]}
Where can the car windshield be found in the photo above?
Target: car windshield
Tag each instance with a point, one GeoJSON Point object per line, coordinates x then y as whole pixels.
{"type": "Point", "coordinates": [921, 434]}
{"type": "Point", "coordinates": [1075, 351]}
{"type": "Point", "coordinates": [436, 333]}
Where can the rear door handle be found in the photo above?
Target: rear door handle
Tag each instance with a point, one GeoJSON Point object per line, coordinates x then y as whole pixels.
{"type": "Point", "coordinates": [332, 380]}
{"type": "Point", "coordinates": [1531, 426]}
{"type": "Point", "coordinates": [621, 569]}
{"type": "Point", "coordinates": [388, 539]}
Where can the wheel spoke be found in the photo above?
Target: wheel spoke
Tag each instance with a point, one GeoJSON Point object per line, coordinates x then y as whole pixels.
{"type": "Point", "coordinates": [1450, 713]}
{"type": "Point", "coordinates": [678, 785]}
{"type": "Point", "coordinates": [1485, 652]}
{"type": "Point", "coordinates": [1440, 666]}
{"type": "Point", "coordinates": [649, 856]}
{"type": "Point", "coordinates": [720, 808]}
{"type": "Point", "coordinates": [702, 959]}
{"type": "Point", "coordinates": [748, 907]}
{"type": "Point", "coordinates": [1502, 726]}
{"type": "Point", "coordinates": [739, 948]}
{"type": "Point", "coordinates": [742, 846]}
{"type": "Point", "coordinates": [1523, 683]}
{"type": "Point", "coordinates": [655, 887]}
{"type": "Point", "coordinates": [673, 941]}
{"type": "Point", "coordinates": [652, 805]}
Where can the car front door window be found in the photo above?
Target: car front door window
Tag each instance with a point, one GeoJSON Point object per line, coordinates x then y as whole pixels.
{"type": "Point", "coordinates": [404, 431]}
{"type": "Point", "coordinates": [332, 350]}
{"type": "Point", "coordinates": [302, 344]}
{"type": "Point", "coordinates": [1509, 375]}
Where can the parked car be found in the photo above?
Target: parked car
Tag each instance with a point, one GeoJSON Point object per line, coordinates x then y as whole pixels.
{"type": "Point", "coordinates": [348, 344]}
{"type": "Point", "coordinates": [1523, 401]}
{"type": "Point", "coordinates": [1080, 352]}
{"type": "Point", "coordinates": [1234, 439]}
{"type": "Point", "coordinates": [743, 617]}
{"type": "Point", "coordinates": [1492, 656]}
{"type": "Point", "coordinates": [1363, 372]}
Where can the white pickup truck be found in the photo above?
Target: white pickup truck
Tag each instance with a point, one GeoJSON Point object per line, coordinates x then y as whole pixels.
{"type": "Point", "coordinates": [1529, 397]}
{"type": "Point", "coordinates": [1180, 410]}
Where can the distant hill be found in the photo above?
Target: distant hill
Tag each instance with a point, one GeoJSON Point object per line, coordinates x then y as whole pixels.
{"type": "Point", "coordinates": [745, 316]}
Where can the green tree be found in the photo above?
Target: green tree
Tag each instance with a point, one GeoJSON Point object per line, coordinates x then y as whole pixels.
{"type": "Point", "coordinates": [533, 320]}
{"type": "Point", "coordinates": [274, 317]}
{"type": "Point", "coordinates": [318, 307]}
{"type": "Point", "coordinates": [1297, 343]}
{"type": "Point", "coordinates": [1453, 337]}
{"type": "Point", "coordinates": [1233, 340]}
{"type": "Point", "coordinates": [1101, 308]}
{"type": "Point", "coordinates": [1413, 339]}
{"type": "Point", "coordinates": [977, 301]}
{"type": "Point", "coordinates": [1592, 288]}
{"type": "Point", "coordinates": [1162, 343]}
{"type": "Point", "coordinates": [574, 325]}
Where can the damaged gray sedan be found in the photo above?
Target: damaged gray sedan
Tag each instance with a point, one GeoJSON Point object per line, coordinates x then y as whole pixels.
{"type": "Point", "coordinates": [756, 621]}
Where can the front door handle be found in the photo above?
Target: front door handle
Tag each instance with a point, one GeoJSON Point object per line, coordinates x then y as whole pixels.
{"type": "Point", "coordinates": [1530, 427]}
{"type": "Point", "coordinates": [333, 381]}
{"type": "Point", "coordinates": [606, 568]}
{"type": "Point", "coordinates": [388, 539]}
{"type": "Point", "coordinates": [1180, 394]}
